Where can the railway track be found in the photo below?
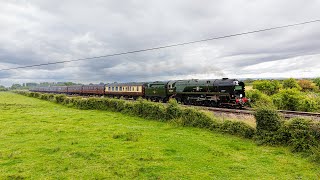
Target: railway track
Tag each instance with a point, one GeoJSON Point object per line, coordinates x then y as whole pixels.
{"type": "Point", "coordinates": [290, 114]}
{"type": "Point", "coordinates": [286, 114]}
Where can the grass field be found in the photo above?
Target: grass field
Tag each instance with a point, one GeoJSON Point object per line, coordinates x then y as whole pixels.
{"type": "Point", "coordinates": [43, 140]}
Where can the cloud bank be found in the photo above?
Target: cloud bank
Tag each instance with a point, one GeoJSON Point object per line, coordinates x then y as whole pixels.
{"type": "Point", "coordinates": [38, 31]}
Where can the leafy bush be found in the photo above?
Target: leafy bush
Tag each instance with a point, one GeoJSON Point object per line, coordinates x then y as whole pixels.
{"type": "Point", "coordinates": [60, 98]}
{"type": "Point", "coordinates": [304, 134]}
{"type": "Point", "coordinates": [173, 110]}
{"type": "Point", "coordinates": [291, 84]}
{"type": "Point", "coordinates": [266, 86]}
{"type": "Point", "coordinates": [315, 154]}
{"type": "Point", "coordinates": [308, 104]}
{"type": "Point", "coordinates": [317, 81]}
{"type": "Point", "coordinates": [237, 128]}
{"type": "Point", "coordinates": [48, 97]}
{"type": "Point", "coordinates": [195, 118]}
{"type": "Point", "coordinates": [2, 88]}
{"type": "Point", "coordinates": [34, 94]}
{"type": "Point", "coordinates": [294, 100]}
{"type": "Point", "coordinates": [268, 123]}
{"type": "Point", "coordinates": [151, 110]}
{"type": "Point", "coordinates": [267, 119]}
{"type": "Point", "coordinates": [287, 99]}
{"type": "Point", "coordinates": [306, 85]}
{"type": "Point", "coordinates": [257, 98]}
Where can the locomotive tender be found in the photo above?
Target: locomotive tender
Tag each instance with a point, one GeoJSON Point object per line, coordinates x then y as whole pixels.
{"type": "Point", "coordinates": [207, 92]}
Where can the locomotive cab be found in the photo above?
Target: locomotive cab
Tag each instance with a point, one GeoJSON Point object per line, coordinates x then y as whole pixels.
{"type": "Point", "coordinates": [239, 93]}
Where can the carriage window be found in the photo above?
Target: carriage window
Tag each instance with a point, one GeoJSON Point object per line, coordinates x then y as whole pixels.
{"type": "Point", "coordinates": [120, 88]}
{"type": "Point", "coordinates": [116, 88]}
{"type": "Point", "coordinates": [132, 88]}
{"type": "Point", "coordinates": [112, 88]}
{"type": "Point", "coordinates": [137, 88]}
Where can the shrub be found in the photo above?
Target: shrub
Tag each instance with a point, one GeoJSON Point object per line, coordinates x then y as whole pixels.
{"type": "Point", "coordinates": [317, 81]}
{"type": "Point", "coordinates": [195, 118]}
{"type": "Point", "coordinates": [237, 128]}
{"type": "Point", "coordinates": [267, 119]}
{"type": "Point", "coordinates": [292, 99]}
{"type": "Point", "coordinates": [287, 99]}
{"type": "Point", "coordinates": [308, 104]}
{"type": "Point", "coordinates": [46, 96]}
{"type": "Point", "coordinates": [306, 85]}
{"type": "Point", "coordinates": [151, 110]}
{"type": "Point", "coordinates": [315, 154]}
{"type": "Point", "coordinates": [50, 97]}
{"type": "Point", "coordinates": [291, 84]}
{"type": "Point", "coordinates": [60, 98]}
{"type": "Point", "coordinates": [304, 134]}
{"type": "Point", "coordinates": [173, 110]}
{"type": "Point", "coordinates": [268, 123]}
{"type": "Point", "coordinates": [257, 98]}
{"type": "Point", "coordinates": [34, 94]}
{"type": "Point", "coordinates": [266, 86]}
{"type": "Point", "coordinates": [2, 88]}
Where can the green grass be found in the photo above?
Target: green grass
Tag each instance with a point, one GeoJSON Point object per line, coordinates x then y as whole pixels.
{"type": "Point", "coordinates": [41, 139]}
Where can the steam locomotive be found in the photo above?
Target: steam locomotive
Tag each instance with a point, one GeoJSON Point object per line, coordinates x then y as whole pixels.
{"type": "Point", "coordinates": [209, 92]}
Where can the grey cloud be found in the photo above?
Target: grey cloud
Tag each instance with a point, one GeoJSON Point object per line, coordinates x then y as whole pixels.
{"type": "Point", "coordinates": [44, 31]}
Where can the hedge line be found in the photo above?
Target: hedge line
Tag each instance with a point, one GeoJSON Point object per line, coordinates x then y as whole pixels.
{"type": "Point", "coordinates": [172, 112]}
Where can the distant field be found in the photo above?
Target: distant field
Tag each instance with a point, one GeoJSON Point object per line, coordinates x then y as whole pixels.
{"type": "Point", "coordinates": [249, 87]}
{"type": "Point", "coordinates": [43, 140]}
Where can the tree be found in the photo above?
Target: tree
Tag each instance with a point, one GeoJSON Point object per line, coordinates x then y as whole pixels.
{"type": "Point", "coordinates": [69, 83]}
{"type": "Point", "coordinates": [16, 86]}
{"type": "Point", "coordinates": [268, 87]}
{"type": "Point", "coordinates": [317, 81]}
{"type": "Point", "coordinates": [2, 88]}
{"type": "Point", "coordinates": [306, 85]}
{"type": "Point", "coordinates": [290, 84]}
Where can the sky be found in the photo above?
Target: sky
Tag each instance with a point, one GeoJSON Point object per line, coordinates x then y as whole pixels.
{"type": "Point", "coordinates": [42, 31]}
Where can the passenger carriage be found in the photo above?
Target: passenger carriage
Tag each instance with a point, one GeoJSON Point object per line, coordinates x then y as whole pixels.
{"type": "Point", "coordinates": [126, 90]}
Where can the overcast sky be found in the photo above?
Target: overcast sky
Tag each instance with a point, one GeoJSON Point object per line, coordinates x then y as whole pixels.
{"type": "Point", "coordinates": [41, 31]}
